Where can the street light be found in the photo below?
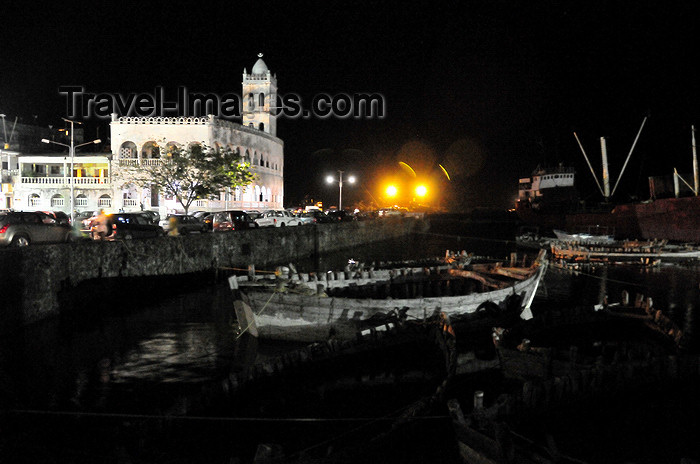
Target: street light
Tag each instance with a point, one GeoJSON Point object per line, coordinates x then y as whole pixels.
{"type": "Point", "coordinates": [71, 149]}
{"type": "Point", "coordinates": [331, 179]}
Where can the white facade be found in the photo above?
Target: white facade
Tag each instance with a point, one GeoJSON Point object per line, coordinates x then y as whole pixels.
{"type": "Point", "coordinates": [43, 182]}
{"type": "Point", "coordinates": [137, 141]}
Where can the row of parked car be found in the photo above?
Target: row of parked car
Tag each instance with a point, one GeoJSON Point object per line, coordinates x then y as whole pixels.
{"type": "Point", "coordinates": [21, 228]}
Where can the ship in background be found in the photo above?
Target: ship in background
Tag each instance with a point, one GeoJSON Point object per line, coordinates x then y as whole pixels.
{"type": "Point", "coordinates": [549, 199]}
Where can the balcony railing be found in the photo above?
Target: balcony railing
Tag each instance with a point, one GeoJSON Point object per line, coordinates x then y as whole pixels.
{"type": "Point", "coordinates": [141, 162]}
{"type": "Point", "coordinates": [56, 181]}
{"type": "Point", "coordinates": [129, 202]}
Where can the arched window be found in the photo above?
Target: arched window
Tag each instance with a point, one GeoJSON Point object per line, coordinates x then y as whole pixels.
{"type": "Point", "coordinates": [81, 201]}
{"type": "Point", "coordinates": [261, 99]}
{"type": "Point", "coordinates": [262, 161]}
{"type": "Point", "coordinates": [261, 126]}
{"type": "Point", "coordinates": [170, 147]}
{"type": "Point", "coordinates": [127, 150]}
{"type": "Point", "coordinates": [105, 201]}
{"type": "Point", "coordinates": [251, 102]}
{"type": "Point", "coordinates": [57, 201]}
{"type": "Point", "coordinates": [150, 150]}
{"type": "Point", "coordinates": [34, 200]}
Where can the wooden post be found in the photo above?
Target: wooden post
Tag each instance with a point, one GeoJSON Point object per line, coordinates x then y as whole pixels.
{"type": "Point", "coordinates": [478, 399]}
{"type": "Point", "coordinates": [625, 298]}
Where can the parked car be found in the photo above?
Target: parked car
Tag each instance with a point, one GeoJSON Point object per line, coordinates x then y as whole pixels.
{"type": "Point", "coordinates": [253, 213]}
{"type": "Point", "coordinates": [277, 218]}
{"type": "Point", "coordinates": [340, 216]}
{"type": "Point", "coordinates": [232, 220]}
{"type": "Point", "coordinates": [316, 216]}
{"type": "Point", "coordinates": [20, 228]}
{"type": "Point", "coordinates": [131, 225]}
{"type": "Point", "coordinates": [206, 217]}
{"type": "Point", "coordinates": [152, 216]}
{"type": "Point", "coordinates": [59, 216]}
{"type": "Point", "coordinates": [366, 215]}
{"type": "Point", "coordinates": [392, 212]}
{"type": "Point", "coordinates": [305, 220]}
{"type": "Point", "coordinates": [186, 224]}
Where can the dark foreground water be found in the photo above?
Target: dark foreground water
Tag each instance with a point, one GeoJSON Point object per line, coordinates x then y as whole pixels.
{"type": "Point", "coordinates": [113, 386]}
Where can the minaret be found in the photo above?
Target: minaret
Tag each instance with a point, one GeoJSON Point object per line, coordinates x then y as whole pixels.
{"type": "Point", "coordinates": [259, 95]}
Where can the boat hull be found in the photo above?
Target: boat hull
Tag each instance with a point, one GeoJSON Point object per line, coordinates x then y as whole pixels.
{"type": "Point", "coordinates": [309, 318]}
{"type": "Point", "coordinates": [674, 219]}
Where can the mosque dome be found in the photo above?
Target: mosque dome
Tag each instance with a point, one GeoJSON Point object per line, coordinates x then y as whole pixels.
{"type": "Point", "coordinates": [260, 67]}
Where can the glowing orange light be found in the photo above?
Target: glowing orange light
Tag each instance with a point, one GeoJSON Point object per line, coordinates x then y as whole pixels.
{"type": "Point", "coordinates": [391, 191]}
{"type": "Point", "coordinates": [445, 171]}
{"type": "Point", "coordinates": [409, 168]}
{"type": "Point", "coordinates": [421, 190]}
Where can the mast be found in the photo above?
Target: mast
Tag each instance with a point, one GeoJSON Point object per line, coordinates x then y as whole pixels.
{"type": "Point", "coordinates": [606, 173]}
{"type": "Point", "coordinates": [695, 161]}
{"type": "Point", "coordinates": [589, 164]}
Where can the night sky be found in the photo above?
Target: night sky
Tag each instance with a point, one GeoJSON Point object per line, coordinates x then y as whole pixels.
{"type": "Point", "coordinates": [489, 89]}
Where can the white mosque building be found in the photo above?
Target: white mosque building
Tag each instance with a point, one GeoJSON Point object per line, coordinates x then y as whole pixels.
{"type": "Point", "coordinates": [43, 182]}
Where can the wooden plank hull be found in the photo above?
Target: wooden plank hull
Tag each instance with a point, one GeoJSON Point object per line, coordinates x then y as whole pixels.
{"type": "Point", "coordinates": [308, 318]}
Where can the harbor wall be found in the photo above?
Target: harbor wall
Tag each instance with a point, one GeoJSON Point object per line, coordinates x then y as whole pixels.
{"type": "Point", "coordinates": [32, 278]}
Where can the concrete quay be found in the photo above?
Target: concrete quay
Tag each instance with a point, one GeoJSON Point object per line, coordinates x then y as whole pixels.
{"type": "Point", "coordinates": [34, 277]}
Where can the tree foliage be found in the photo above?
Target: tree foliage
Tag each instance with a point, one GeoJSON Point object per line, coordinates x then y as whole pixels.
{"type": "Point", "coordinates": [190, 173]}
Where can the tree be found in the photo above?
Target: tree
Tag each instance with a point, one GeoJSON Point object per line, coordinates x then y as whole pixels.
{"type": "Point", "coordinates": [191, 173]}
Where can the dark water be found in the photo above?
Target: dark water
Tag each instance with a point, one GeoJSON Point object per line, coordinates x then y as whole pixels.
{"type": "Point", "coordinates": [95, 389]}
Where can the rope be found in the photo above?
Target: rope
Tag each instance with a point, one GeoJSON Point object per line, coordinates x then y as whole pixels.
{"type": "Point", "coordinates": [242, 269]}
{"type": "Point", "coordinates": [261, 311]}
{"type": "Point", "coordinates": [205, 418]}
{"type": "Point", "coordinates": [368, 422]}
{"type": "Point", "coordinates": [468, 237]}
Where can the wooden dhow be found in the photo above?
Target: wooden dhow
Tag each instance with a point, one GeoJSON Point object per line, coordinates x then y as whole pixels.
{"type": "Point", "coordinates": [339, 305]}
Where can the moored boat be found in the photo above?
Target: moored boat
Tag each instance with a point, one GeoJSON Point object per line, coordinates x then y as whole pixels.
{"type": "Point", "coordinates": [592, 236]}
{"type": "Point", "coordinates": [307, 308]}
{"type": "Point", "coordinates": [624, 252]}
{"type": "Point", "coordinates": [549, 199]}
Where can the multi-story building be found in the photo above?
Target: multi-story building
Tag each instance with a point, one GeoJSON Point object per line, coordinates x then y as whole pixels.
{"type": "Point", "coordinates": [44, 182]}
{"type": "Point", "coordinates": [24, 139]}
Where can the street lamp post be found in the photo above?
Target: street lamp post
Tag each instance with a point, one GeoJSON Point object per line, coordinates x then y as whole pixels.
{"type": "Point", "coordinates": [71, 152]}
{"type": "Point", "coordinates": [331, 179]}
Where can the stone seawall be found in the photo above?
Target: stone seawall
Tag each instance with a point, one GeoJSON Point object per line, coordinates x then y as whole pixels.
{"type": "Point", "coordinates": [32, 277]}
